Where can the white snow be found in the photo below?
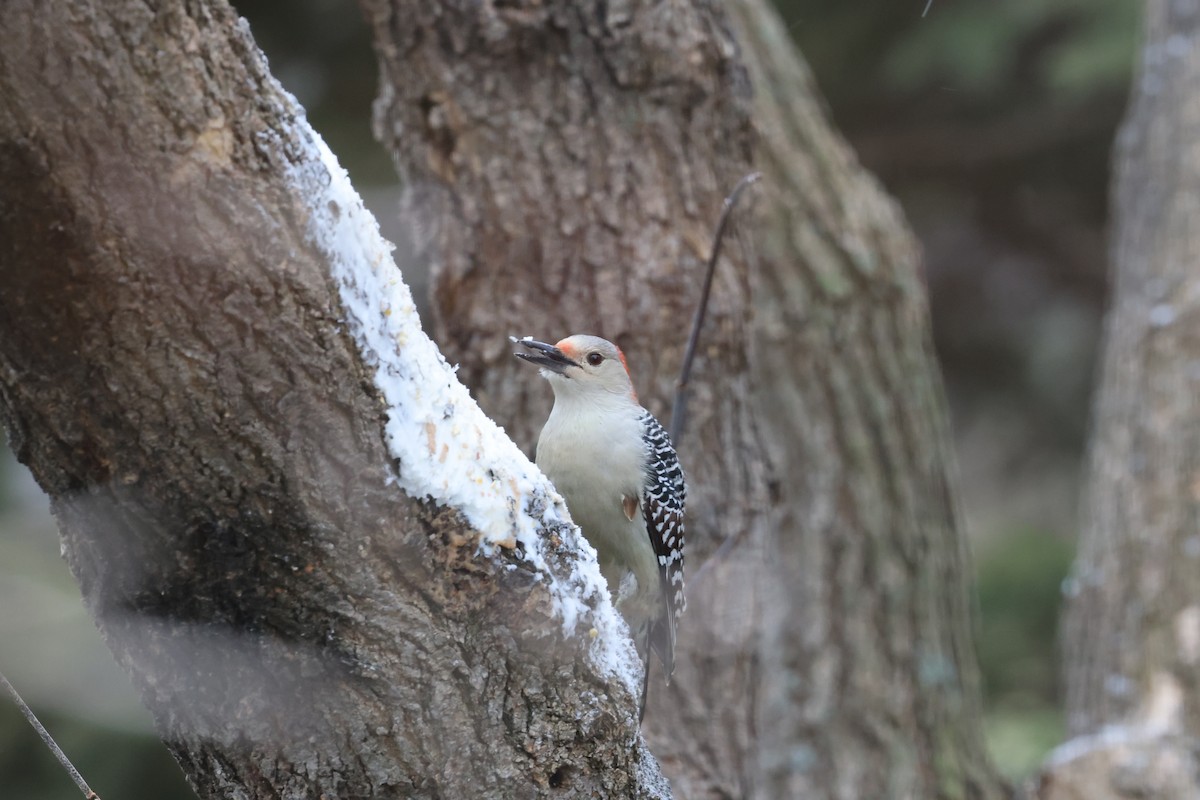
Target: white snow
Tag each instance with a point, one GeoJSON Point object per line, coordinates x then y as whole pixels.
{"type": "Point", "coordinates": [1159, 716]}
{"type": "Point", "coordinates": [445, 447]}
{"type": "Point", "coordinates": [1080, 746]}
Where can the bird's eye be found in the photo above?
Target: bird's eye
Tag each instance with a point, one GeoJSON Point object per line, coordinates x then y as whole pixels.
{"type": "Point", "coordinates": [595, 359]}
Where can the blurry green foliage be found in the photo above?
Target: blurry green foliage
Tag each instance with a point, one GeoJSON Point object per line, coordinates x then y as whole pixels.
{"type": "Point", "coordinates": [874, 58]}
{"type": "Point", "coordinates": [1104, 50]}
{"type": "Point", "coordinates": [116, 764]}
{"type": "Point", "coordinates": [320, 50]}
{"type": "Point", "coordinates": [1072, 45]}
{"type": "Point", "coordinates": [1019, 586]}
{"type": "Point", "coordinates": [1019, 739]}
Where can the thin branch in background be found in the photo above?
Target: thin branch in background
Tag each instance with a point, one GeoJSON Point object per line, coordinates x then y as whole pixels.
{"type": "Point", "coordinates": [735, 537]}
{"type": "Point", "coordinates": [679, 406]}
{"type": "Point", "coordinates": [928, 5]}
{"type": "Point", "coordinates": [48, 740]}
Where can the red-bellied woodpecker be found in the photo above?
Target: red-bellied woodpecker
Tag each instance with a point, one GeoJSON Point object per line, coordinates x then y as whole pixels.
{"type": "Point", "coordinates": [616, 468]}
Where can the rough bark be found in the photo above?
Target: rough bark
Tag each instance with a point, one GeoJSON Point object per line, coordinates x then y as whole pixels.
{"type": "Point", "coordinates": [872, 639]}
{"type": "Point", "coordinates": [566, 162]}
{"type": "Point", "coordinates": [1132, 625]}
{"type": "Point", "coordinates": [176, 372]}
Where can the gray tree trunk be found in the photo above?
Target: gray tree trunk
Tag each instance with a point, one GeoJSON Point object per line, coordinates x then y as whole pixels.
{"type": "Point", "coordinates": [1132, 626]}
{"type": "Point", "coordinates": [181, 372]}
{"type": "Point", "coordinates": [566, 162]}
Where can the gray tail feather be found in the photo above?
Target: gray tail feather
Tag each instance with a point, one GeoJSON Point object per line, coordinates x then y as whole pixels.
{"type": "Point", "coordinates": [662, 642]}
{"type": "Point", "coordinates": [660, 637]}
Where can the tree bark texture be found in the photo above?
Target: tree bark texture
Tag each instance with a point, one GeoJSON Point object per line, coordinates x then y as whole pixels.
{"type": "Point", "coordinates": [176, 372]}
{"type": "Point", "coordinates": [1132, 625]}
{"type": "Point", "coordinates": [565, 164]}
{"type": "Point", "coordinates": [873, 643]}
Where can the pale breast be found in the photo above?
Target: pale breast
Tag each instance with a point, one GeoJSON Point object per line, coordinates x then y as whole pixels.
{"type": "Point", "coordinates": [595, 462]}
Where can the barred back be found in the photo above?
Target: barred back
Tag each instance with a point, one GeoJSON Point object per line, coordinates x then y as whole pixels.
{"type": "Point", "coordinates": [662, 508]}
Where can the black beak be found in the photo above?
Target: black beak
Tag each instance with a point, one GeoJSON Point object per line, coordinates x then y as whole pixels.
{"type": "Point", "coordinates": [544, 355]}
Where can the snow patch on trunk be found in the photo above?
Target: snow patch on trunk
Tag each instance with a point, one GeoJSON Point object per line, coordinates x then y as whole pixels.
{"type": "Point", "coordinates": [444, 446]}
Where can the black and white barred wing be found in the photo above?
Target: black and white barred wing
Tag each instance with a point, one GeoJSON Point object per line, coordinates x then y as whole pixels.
{"type": "Point", "coordinates": [662, 508]}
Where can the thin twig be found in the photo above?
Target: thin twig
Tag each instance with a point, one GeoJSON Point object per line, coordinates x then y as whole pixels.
{"type": "Point", "coordinates": [48, 740]}
{"type": "Point", "coordinates": [679, 406]}
{"type": "Point", "coordinates": [735, 537]}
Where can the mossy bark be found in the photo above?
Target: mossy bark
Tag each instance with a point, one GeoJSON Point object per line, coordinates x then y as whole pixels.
{"type": "Point", "coordinates": [1132, 626]}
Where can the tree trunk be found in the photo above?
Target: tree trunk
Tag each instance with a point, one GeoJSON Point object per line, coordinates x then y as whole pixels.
{"type": "Point", "coordinates": [1132, 627]}
{"type": "Point", "coordinates": [565, 164]}
{"type": "Point", "coordinates": [873, 646]}
{"type": "Point", "coordinates": [201, 349]}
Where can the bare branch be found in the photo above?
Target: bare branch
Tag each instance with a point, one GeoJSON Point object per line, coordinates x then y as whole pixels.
{"type": "Point", "coordinates": [679, 406]}
{"type": "Point", "coordinates": [48, 740]}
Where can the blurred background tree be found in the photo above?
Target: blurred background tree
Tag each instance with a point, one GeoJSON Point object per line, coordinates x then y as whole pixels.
{"type": "Point", "coordinates": [992, 124]}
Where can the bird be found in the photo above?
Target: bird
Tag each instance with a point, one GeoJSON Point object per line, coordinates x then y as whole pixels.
{"type": "Point", "coordinates": [617, 470]}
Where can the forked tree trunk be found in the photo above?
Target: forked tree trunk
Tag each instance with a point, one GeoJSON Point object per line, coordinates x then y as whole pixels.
{"type": "Point", "coordinates": [566, 162]}
{"type": "Point", "coordinates": [185, 292]}
{"type": "Point", "coordinates": [1132, 627]}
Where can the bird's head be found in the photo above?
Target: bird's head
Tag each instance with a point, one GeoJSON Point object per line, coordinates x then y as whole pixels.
{"type": "Point", "coordinates": [580, 365]}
